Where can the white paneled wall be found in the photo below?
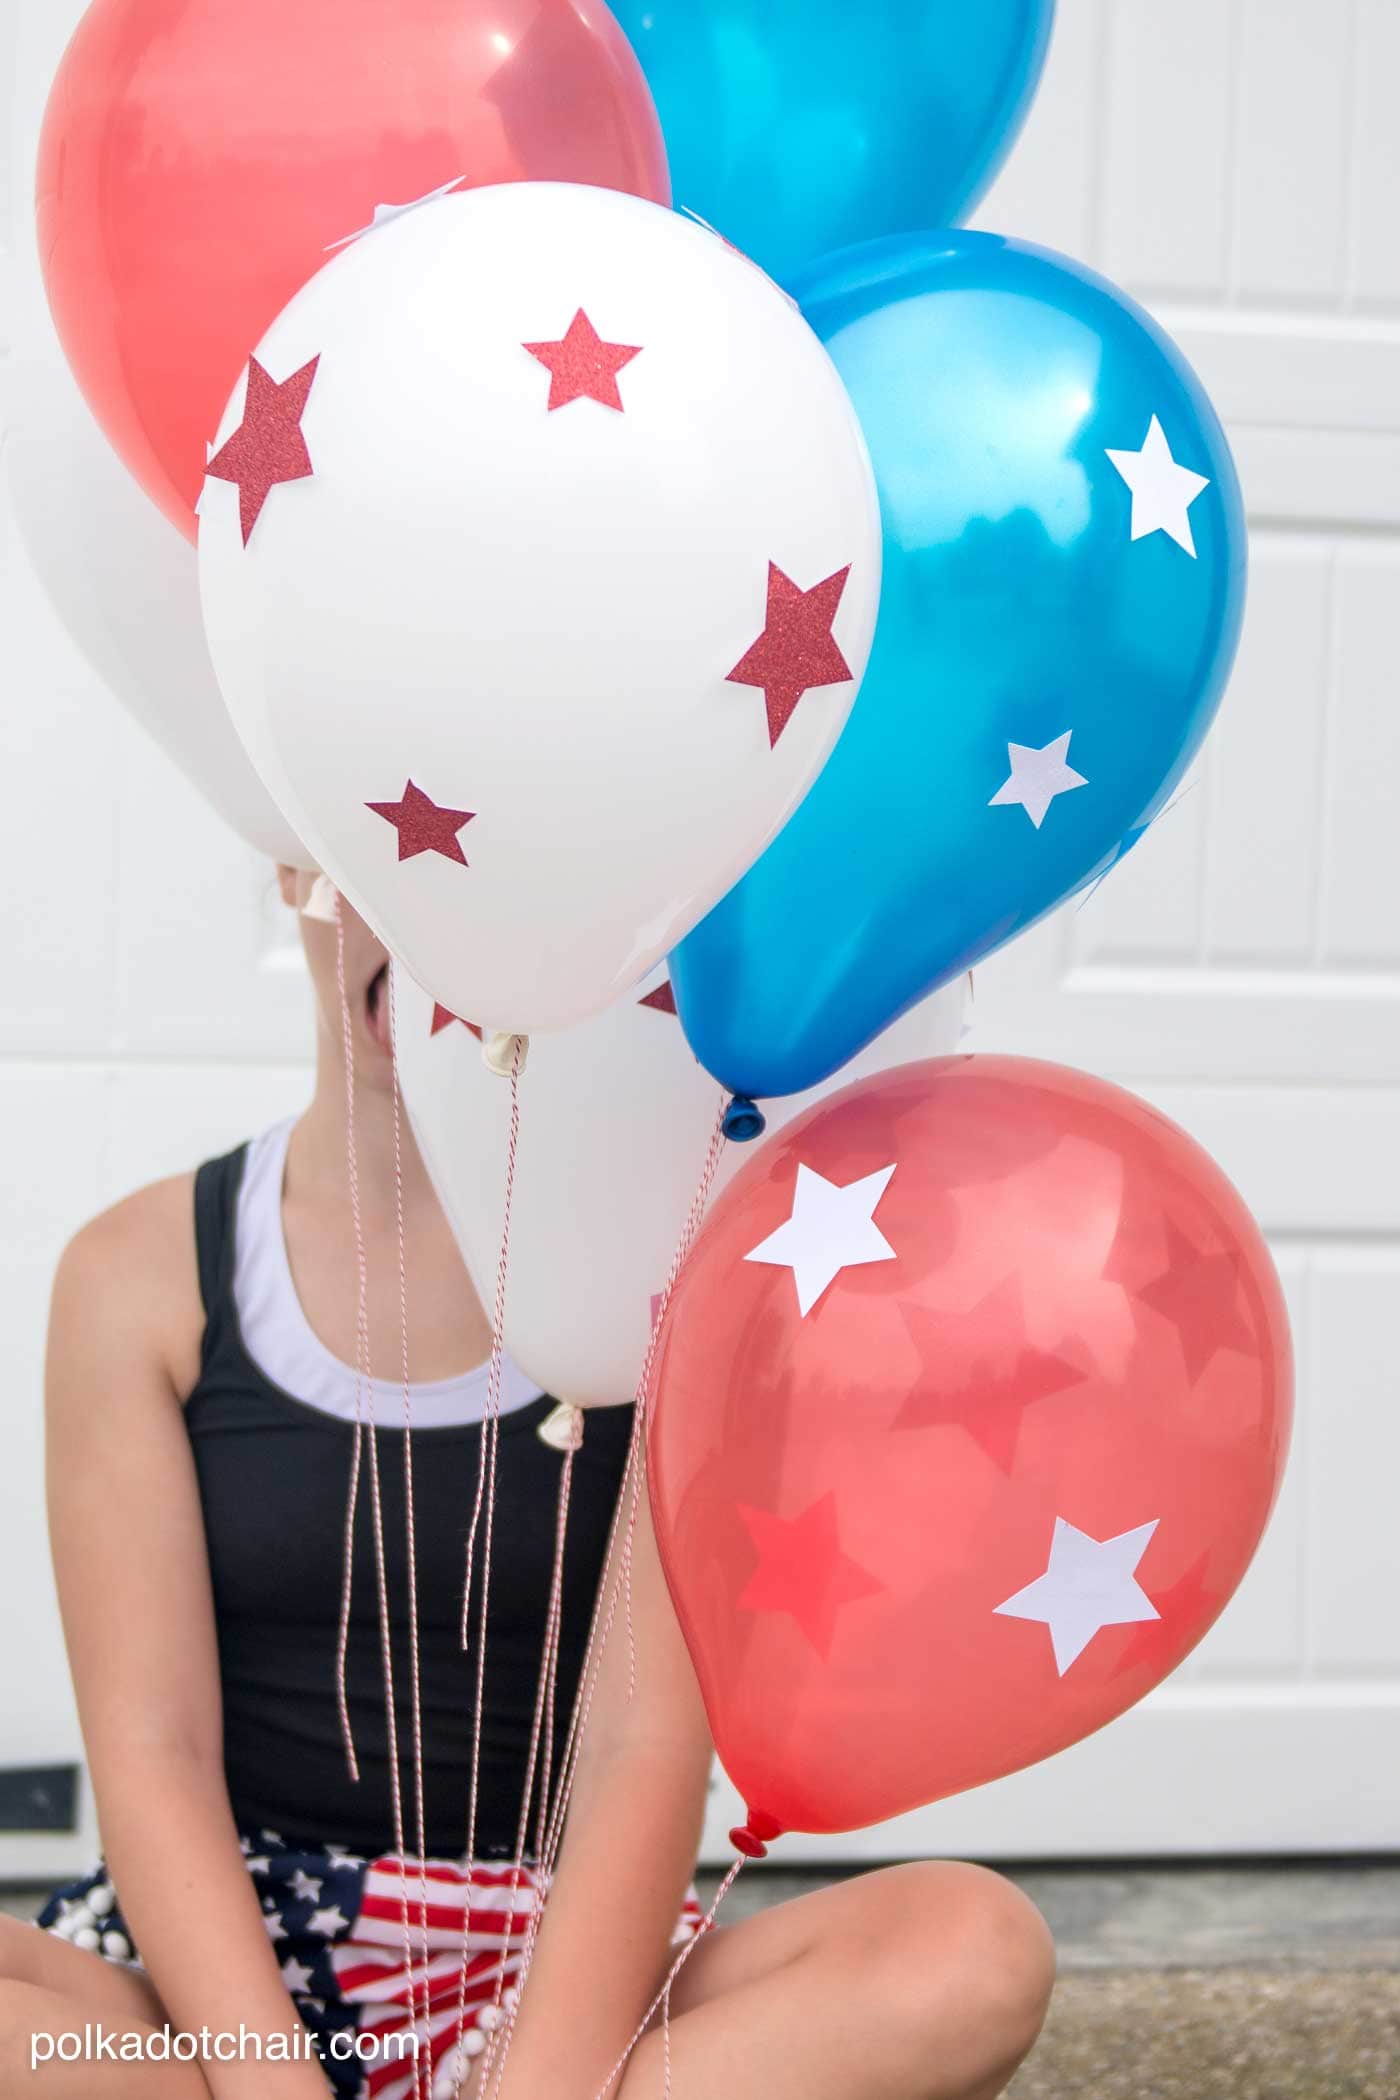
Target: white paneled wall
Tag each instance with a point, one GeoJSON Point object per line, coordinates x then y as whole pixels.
{"type": "Point", "coordinates": [1236, 163]}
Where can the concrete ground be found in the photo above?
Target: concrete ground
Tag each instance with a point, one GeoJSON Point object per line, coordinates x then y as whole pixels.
{"type": "Point", "coordinates": [1241, 1982]}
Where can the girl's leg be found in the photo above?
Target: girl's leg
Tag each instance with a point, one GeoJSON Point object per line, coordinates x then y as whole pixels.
{"type": "Point", "coordinates": [920, 1982]}
{"type": "Point", "coordinates": [48, 1987]}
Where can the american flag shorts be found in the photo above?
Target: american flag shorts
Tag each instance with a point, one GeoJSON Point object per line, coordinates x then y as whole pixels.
{"type": "Point", "coordinates": [372, 1953]}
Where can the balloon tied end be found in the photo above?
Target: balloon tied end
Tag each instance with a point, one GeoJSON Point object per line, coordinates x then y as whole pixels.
{"type": "Point", "coordinates": [504, 1054]}
{"type": "Point", "coordinates": [751, 1837]}
{"type": "Point", "coordinates": [743, 1120]}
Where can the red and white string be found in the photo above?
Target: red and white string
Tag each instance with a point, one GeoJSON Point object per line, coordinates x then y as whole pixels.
{"type": "Point", "coordinates": [486, 1502]}
{"type": "Point", "coordinates": [605, 1605]}
{"type": "Point", "coordinates": [347, 1051]}
{"type": "Point", "coordinates": [364, 1385]}
{"type": "Point", "coordinates": [663, 1996]}
{"type": "Point", "coordinates": [410, 1527]}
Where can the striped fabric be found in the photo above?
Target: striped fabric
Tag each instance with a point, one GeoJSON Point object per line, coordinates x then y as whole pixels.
{"type": "Point", "coordinates": [393, 1997]}
{"type": "Point", "coordinates": [337, 1923]}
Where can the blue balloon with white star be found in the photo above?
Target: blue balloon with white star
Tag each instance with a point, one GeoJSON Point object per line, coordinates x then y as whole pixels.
{"type": "Point", "coordinates": [1064, 573]}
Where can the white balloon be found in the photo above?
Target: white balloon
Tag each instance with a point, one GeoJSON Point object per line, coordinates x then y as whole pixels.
{"type": "Point", "coordinates": [615, 1117]}
{"type": "Point", "coordinates": [531, 613]}
{"type": "Point", "coordinates": [126, 587]}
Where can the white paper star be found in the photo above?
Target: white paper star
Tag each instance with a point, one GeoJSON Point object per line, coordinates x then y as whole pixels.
{"type": "Point", "coordinates": [1037, 777]}
{"type": "Point", "coordinates": [305, 1886]}
{"type": "Point", "coordinates": [831, 1228]}
{"type": "Point", "coordinates": [296, 1976]}
{"type": "Point", "coordinates": [1089, 1583]}
{"type": "Point", "coordinates": [1163, 491]}
{"type": "Point", "coordinates": [385, 214]}
{"type": "Point", "coordinates": [331, 1920]}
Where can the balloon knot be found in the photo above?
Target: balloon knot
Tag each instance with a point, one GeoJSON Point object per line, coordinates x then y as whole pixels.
{"type": "Point", "coordinates": [499, 1051]}
{"type": "Point", "coordinates": [751, 1835]}
{"type": "Point", "coordinates": [743, 1120]}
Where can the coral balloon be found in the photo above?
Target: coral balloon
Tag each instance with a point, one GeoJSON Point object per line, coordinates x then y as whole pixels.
{"type": "Point", "coordinates": [972, 1405]}
{"type": "Point", "coordinates": [200, 158]}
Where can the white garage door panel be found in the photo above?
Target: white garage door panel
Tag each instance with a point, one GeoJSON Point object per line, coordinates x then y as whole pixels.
{"type": "Point", "coordinates": [1191, 1771]}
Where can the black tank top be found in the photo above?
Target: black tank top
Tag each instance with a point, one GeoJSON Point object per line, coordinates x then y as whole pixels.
{"type": "Point", "coordinates": [273, 1479]}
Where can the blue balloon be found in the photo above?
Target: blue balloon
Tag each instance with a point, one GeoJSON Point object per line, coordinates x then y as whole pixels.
{"type": "Point", "coordinates": [797, 126]}
{"type": "Point", "coordinates": [1064, 574]}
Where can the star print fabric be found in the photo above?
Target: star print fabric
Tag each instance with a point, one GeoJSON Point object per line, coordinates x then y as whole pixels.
{"type": "Point", "coordinates": [336, 1921]}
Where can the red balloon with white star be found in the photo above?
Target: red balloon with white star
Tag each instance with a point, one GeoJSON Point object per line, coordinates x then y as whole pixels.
{"type": "Point", "coordinates": [971, 1407]}
{"type": "Point", "coordinates": [199, 163]}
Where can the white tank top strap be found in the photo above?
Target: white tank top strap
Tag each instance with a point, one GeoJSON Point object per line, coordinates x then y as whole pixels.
{"type": "Point", "coordinates": [286, 1348]}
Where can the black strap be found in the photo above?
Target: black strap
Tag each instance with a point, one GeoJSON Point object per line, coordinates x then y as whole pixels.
{"type": "Point", "coordinates": [216, 1187]}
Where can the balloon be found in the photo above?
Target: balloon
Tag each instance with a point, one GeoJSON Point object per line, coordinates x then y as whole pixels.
{"type": "Point", "coordinates": [200, 158]}
{"type": "Point", "coordinates": [796, 126]}
{"type": "Point", "coordinates": [540, 562]}
{"type": "Point", "coordinates": [1063, 586]}
{"type": "Point", "coordinates": [972, 1402]}
{"type": "Point", "coordinates": [615, 1118]}
{"type": "Point", "coordinates": [126, 587]}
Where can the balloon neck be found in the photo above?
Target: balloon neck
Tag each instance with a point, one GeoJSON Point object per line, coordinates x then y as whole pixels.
{"type": "Point", "coordinates": [504, 1053]}
{"type": "Point", "coordinates": [743, 1120]}
{"type": "Point", "coordinates": [752, 1836]}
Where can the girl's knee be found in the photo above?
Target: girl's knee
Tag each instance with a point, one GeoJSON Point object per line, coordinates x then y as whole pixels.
{"type": "Point", "coordinates": [968, 1964]}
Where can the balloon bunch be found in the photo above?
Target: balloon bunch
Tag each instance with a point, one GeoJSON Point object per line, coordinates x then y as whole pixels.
{"type": "Point", "coordinates": [591, 583]}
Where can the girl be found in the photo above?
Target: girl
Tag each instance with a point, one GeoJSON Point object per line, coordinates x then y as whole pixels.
{"type": "Point", "coordinates": [201, 1437]}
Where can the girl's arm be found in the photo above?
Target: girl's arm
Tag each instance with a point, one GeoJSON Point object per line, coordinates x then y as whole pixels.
{"type": "Point", "coordinates": [627, 1856]}
{"type": "Point", "coordinates": [133, 1581]}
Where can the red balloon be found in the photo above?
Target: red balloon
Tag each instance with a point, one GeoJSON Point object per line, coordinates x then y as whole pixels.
{"type": "Point", "coordinates": [200, 157]}
{"type": "Point", "coordinates": [972, 1403]}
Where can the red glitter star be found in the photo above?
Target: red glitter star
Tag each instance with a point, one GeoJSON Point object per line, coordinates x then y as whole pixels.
{"type": "Point", "coordinates": [662, 1000]}
{"type": "Point", "coordinates": [422, 826]}
{"type": "Point", "coordinates": [267, 446]}
{"type": "Point", "coordinates": [582, 367]}
{"type": "Point", "coordinates": [443, 1017]}
{"type": "Point", "coordinates": [802, 1570]}
{"type": "Point", "coordinates": [981, 1371]}
{"type": "Point", "coordinates": [796, 649]}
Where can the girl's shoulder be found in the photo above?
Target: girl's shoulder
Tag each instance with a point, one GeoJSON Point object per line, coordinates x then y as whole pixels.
{"type": "Point", "coordinates": [151, 1222]}
{"type": "Point", "coordinates": [134, 1269]}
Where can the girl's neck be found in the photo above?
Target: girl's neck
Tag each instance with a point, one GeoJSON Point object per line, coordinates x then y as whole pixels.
{"type": "Point", "coordinates": [318, 1152]}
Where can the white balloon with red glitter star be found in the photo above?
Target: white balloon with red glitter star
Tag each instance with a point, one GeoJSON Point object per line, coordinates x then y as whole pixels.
{"type": "Point", "coordinates": [540, 561]}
